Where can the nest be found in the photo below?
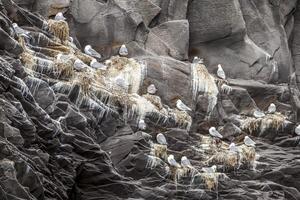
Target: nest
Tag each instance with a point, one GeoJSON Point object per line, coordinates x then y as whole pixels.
{"type": "Point", "coordinates": [248, 155]}
{"type": "Point", "coordinates": [155, 100]}
{"type": "Point", "coordinates": [28, 60]}
{"type": "Point", "coordinates": [85, 81]}
{"type": "Point", "coordinates": [65, 69]}
{"type": "Point", "coordinates": [270, 121]}
{"type": "Point", "coordinates": [60, 29]}
{"type": "Point", "coordinates": [229, 160]}
{"type": "Point", "coordinates": [160, 151]}
{"type": "Point", "coordinates": [83, 57]}
{"type": "Point", "coordinates": [183, 118]}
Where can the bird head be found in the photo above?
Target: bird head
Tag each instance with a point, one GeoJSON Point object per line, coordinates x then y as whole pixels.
{"type": "Point", "coordinates": [212, 128]}
{"type": "Point", "coordinates": [123, 46]}
{"type": "Point", "coordinates": [93, 61]}
{"type": "Point", "coordinates": [15, 25]}
{"type": "Point", "coordinates": [219, 66]}
{"type": "Point", "coordinates": [272, 104]}
{"type": "Point", "coordinates": [214, 167]}
{"type": "Point", "coordinates": [171, 156]}
{"type": "Point", "coordinates": [231, 145]}
{"type": "Point", "coordinates": [183, 158]}
{"type": "Point", "coordinates": [88, 47]}
{"type": "Point", "coordinates": [151, 89]}
{"type": "Point", "coordinates": [71, 39]}
{"type": "Point", "coordinates": [247, 137]}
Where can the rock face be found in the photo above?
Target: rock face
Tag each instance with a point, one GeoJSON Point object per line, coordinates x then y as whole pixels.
{"type": "Point", "coordinates": [70, 134]}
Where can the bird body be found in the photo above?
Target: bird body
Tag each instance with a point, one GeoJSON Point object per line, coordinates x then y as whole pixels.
{"type": "Point", "coordinates": [297, 130]}
{"type": "Point", "coordinates": [233, 148]}
{"type": "Point", "coordinates": [97, 65]}
{"type": "Point", "coordinates": [211, 169]}
{"type": "Point", "coordinates": [172, 161]}
{"type": "Point", "coordinates": [249, 142]}
{"type": "Point", "coordinates": [79, 65]}
{"type": "Point", "coordinates": [185, 162]}
{"type": "Point", "coordinates": [272, 108]}
{"type": "Point", "coordinates": [213, 132]}
{"type": "Point", "coordinates": [91, 52]}
{"type": "Point", "coordinates": [142, 125]}
{"type": "Point", "coordinates": [19, 30]}
{"type": "Point", "coordinates": [123, 51]}
{"type": "Point", "coordinates": [151, 89]}
{"type": "Point", "coordinates": [258, 114]}
{"type": "Point", "coordinates": [161, 139]}
{"type": "Point", "coordinates": [181, 106]}
{"type": "Point", "coordinates": [220, 72]}
{"type": "Point", "coordinates": [59, 17]}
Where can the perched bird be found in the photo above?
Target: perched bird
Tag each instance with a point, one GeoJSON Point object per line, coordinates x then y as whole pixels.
{"type": "Point", "coordinates": [172, 161]}
{"type": "Point", "coordinates": [19, 30]}
{"type": "Point", "coordinates": [213, 132]}
{"type": "Point", "coordinates": [258, 114]}
{"type": "Point", "coordinates": [181, 106]}
{"type": "Point", "coordinates": [97, 65]}
{"type": "Point", "coordinates": [249, 142]}
{"type": "Point", "coordinates": [197, 60]}
{"type": "Point", "coordinates": [297, 130]}
{"type": "Point", "coordinates": [142, 125]}
{"type": "Point", "coordinates": [220, 72]}
{"type": "Point", "coordinates": [185, 162]}
{"type": "Point", "coordinates": [211, 169]}
{"type": "Point", "coordinates": [79, 65]}
{"type": "Point", "coordinates": [59, 17]}
{"type": "Point", "coordinates": [62, 57]}
{"type": "Point", "coordinates": [233, 148]}
{"type": "Point", "coordinates": [161, 139]}
{"type": "Point", "coordinates": [123, 51]}
{"type": "Point", "coordinates": [91, 52]}
{"type": "Point", "coordinates": [151, 89]}
{"type": "Point", "coordinates": [226, 89]}
{"type": "Point", "coordinates": [272, 108]}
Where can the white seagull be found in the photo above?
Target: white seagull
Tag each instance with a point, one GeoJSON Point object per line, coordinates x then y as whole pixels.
{"type": "Point", "coordinates": [79, 65]}
{"type": "Point", "coordinates": [161, 139]}
{"type": "Point", "coordinates": [59, 16]}
{"type": "Point", "coordinates": [97, 65]}
{"type": "Point", "coordinates": [213, 132]}
{"type": "Point", "coordinates": [258, 114]}
{"type": "Point", "coordinates": [249, 142]}
{"type": "Point", "coordinates": [91, 52]}
{"type": "Point", "coordinates": [233, 148]}
{"type": "Point", "coordinates": [19, 30]}
{"type": "Point", "coordinates": [185, 162]}
{"type": "Point", "coordinates": [211, 169]}
{"type": "Point", "coordinates": [172, 161]}
{"type": "Point", "coordinates": [220, 72]}
{"type": "Point", "coordinates": [123, 51]}
{"type": "Point", "coordinates": [272, 108]}
{"type": "Point", "coordinates": [151, 89]}
{"type": "Point", "coordinates": [297, 130]}
{"type": "Point", "coordinates": [142, 125]}
{"type": "Point", "coordinates": [181, 106]}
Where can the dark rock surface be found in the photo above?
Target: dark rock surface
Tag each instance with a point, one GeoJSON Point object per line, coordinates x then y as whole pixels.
{"type": "Point", "coordinates": [61, 140]}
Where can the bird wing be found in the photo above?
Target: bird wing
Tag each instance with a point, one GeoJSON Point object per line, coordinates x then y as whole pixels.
{"type": "Point", "coordinates": [94, 53]}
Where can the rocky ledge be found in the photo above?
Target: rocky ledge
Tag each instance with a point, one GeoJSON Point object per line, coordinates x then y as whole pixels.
{"type": "Point", "coordinates": [145, 112]}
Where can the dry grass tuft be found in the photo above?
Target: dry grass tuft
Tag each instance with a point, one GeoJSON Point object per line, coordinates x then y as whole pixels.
{"type": "Point", "coordinates": [60, 29]}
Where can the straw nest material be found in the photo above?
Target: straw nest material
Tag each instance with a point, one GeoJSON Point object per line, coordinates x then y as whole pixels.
{"type": "Point", "coordinates": [60, 29]}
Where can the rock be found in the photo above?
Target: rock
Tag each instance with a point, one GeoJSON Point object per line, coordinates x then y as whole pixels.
{"type": "Point", "coordinates": [165, 34]}
{"type": "Point", "coordinates": [11, 134]}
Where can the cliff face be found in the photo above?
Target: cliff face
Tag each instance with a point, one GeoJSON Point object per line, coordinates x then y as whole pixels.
{"type": "Point", "coordinates": [69, 133]}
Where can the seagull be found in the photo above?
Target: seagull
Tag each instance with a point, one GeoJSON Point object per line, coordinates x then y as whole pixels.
{"type": "Point", "coordinates": [19, 30]}
{"type": "Point", "coordinates": [97, 65]}
{"type": "Point", "coordinates": [181, 106]}
{"type": "Point", "coordinates": [161, 139]}
{"type": "Point", "coordinates": [151, 89]}
{"type": "Point", "coordinates": [249, 142]}
{"type": "Point", "coordinates": [197, 60]}
{"type": "Point", "coordinates": [123, 51]}
{"type": "Point", "coordinates": [233, 148]}
{"type": "Point", "coordinates": [258, 114]}
{"type": "Point", "coordinates": [185, 162]}
{"type": "Point", "coordinates": [142, 125]}
{"type": "Point", "coordinates": [272, 108]}
{"type": "Point", "coordinates": [211, 169]}
{"type": "Point", "coordinates": [79, 65]}
{"type": "Point", "coordinates": [59, 17]}
{"type": "Point", "coordinates": [172, 161]}
{"type": "Point", "coordinates": [297, 130]}
{"type": "Point", "coordinates": [213, 132]}
{"type": "Point", "coordinates": [220, 72]}
{"type": "Point", "coordinates": [91, 52]}
{"type": "Point", "coordinates": [62, 57]}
